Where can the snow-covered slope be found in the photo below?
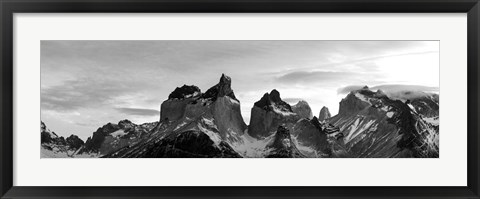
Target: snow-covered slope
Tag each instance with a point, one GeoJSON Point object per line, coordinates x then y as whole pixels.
{"type": "Point", "coordinates": [112, 137]}
{"type": "Point", "coordinates": [283, 146]}
{"type": "Point", "coordinates": [54, 146]}
{"type": "Point", "coordinates": [374, 125]}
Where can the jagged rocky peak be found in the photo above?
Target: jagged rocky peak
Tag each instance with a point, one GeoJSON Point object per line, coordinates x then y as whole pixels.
{"type": "Point", "coordinates": [223, 88]}
{"type": "Point", "coordinates": [108, 128]}
{"type": "Point", "coordinates": [427, 106]}
{"type": "Point", "coordinates": [272, 101]}
{"type": "Point", "coordinates": [324, 114]}
{"type": "Point", "coordinates": [380, 92]}
{"type": "Point", "coordinates": [42, 126]}
{"type": "Point", "coordinates": [316, 123]}
{"type": "Point", "coordinates": [123, 124]}
{"type": "Point", "coordinates": [74, 142]}
{"type": "Point", "coordinates": [362, 98]}
{"type": "Point", "coordinates": [268, 113]}
{"type": "Point", "coordinates": [218, 102]}
{"type": "Point", "coordinates": [302, 109]}
{"type": "Point", "coordinates": [48, 136]}
{"type": "Point", "coordinates": [396, 126]}
{"type": "Point", "coordinates": [111, 136]}
{"type": "Point", "coordinates": [275, 96]}
{"type": "Point", "coordinates": [187, 144]}
{"type": "Point", "coordinates": [185, 91]}
{"type": "Point", "coordinates": [283, 146]}
{"type": "Point", "coordinates": [53, 145]}
{"type": "Point", "coordinates": [355, 101]}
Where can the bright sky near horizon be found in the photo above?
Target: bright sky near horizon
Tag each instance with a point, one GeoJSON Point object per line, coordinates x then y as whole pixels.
{"type": "Point", "coordinates": [86, 84]}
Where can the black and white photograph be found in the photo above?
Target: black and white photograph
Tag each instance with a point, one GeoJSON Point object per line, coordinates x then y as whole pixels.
{"type": "Point", "coordinates": [239, 98]}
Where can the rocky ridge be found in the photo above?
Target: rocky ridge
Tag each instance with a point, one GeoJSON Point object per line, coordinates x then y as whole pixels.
{"type": "Point", "coordinates": [194, 124]}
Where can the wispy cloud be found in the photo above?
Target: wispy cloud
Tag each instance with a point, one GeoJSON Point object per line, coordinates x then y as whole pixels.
{"type": "Point", "coordinates": [292, 100]}
{"type": "Point", "coordinates": [313, 76]}
{"type": "Point", "coordinates": [139, 111]}
{"type": "Point", "coordinates": [392, 88]}
{"type": "Point", "coordinates": [85, 93]}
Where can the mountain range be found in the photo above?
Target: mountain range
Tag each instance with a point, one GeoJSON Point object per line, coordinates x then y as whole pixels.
{"type": "Point", "coordinates": [196, 124]}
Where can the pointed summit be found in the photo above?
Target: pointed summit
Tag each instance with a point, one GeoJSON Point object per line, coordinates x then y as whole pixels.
{"type": "Point", "coordinates": [275, 96]}
{"type": "Point", "coordinates": [324, 114]}
{"type": "Point", "coordinates": [283, 146]}
{"type": "Point", "coordinates": [310, 133]}
{"type": "Point", "coordinates": [268, 113]}
{"type": "Point", "coordinates": [223, 88]}
{"type": "Point", "coordinates": [273, 99]}
{"type": "Point", "coordinates": [225, 79]}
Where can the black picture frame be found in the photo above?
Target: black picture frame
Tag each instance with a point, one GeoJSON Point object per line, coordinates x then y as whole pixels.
{"type": "Point", "coordinates": [10, 7]}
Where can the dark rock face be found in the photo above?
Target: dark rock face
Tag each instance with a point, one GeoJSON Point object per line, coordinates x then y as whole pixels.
{"type": "Point", "coordinates": [187, 126]}
{"type": "Point", "coordinates": [427, 106]}
{"type": "Point", "coordinates": [50, 137]}
{"type": "Point", "coordinates": [228, 117]}
{"type": "Point", "coordinates": [46, 135]}
{"type": "Point", "coordinates": [188, 144]}
{"type": "Point", "coordinates": [125, 124]}
{"type": "Point", "coordinates": [94, 143]}
{"type": "Point", "coordinates": [324, 114]}
{"type": "Point", "coordinates": [351, 104]}
{"type": "Point", "coordinates": [173, 110]}
{"type": "Point", "coordinates": [283, 146]}
{"type": "Point", "coordinates": [184, 92]}
{"type": "Point", "coordinates": [373, 125]}
{"type": "Point", "coordinates": [74, 142]}
{"type": "Point", "coordinates": [46, 138]}
{"type": "Point", "coordinates": [111, 137]}
{"type": "Point", "coordinates": [303, 110]}
{"type": "Point", "coordinates": [269, 101]}
{"type": "Point", "coordinates": [53, 145]}
{"type": "Point", "coordinates": [268, 113]}
{"type": "Point", "coordinates": [311, 133]}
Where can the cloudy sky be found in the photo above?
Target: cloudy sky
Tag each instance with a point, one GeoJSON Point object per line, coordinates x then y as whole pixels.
{"type": "Point", "coordinates": [86, 84]}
